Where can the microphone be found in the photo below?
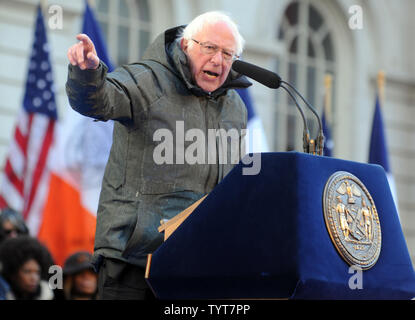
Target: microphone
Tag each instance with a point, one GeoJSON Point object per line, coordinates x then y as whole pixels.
{"type": "Point", "coordinates": [272, 80]}
{"type": "Point", "coordinates": [263, 76]}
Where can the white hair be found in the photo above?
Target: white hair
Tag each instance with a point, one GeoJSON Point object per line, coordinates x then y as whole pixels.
{"type": "Point", "coordinates": [211, 18]}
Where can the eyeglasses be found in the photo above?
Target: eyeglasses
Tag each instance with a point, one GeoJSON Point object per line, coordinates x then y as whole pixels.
{"type": "Point", "coordinates": [8, 232]}
{"type": "Point", "coordinates": [209, 48]}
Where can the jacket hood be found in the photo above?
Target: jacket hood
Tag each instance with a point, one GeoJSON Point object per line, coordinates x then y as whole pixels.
{"type": "Point", "coordinates": [166, 50]}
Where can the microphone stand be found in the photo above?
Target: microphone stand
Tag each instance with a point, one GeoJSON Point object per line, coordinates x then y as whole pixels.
{"type": "Point", "coordinates": [317, 148]}
{"type": "Point", "coordinates": [306, 133]}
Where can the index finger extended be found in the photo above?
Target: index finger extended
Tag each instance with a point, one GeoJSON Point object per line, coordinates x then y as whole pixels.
{"type": "Point", "coordinates": [85, 39]}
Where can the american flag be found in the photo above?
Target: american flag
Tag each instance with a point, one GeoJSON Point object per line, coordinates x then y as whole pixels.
{"type": "Point", "coordinates": [25, 178]}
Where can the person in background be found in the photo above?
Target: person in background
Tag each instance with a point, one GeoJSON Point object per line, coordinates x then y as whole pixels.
{"type": "Point", "coordinates": [25, 264]}
{"type": "Point", "coordinates": [79, 278]}
{"type": "Point", "coordinates": [11, 224]}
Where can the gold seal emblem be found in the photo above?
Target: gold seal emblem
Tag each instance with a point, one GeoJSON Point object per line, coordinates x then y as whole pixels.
{"type": "Point", "coordinates": [352, 220]}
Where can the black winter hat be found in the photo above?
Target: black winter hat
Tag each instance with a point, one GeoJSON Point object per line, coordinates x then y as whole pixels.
{"type": "Point", "coordinates": [78, 262]}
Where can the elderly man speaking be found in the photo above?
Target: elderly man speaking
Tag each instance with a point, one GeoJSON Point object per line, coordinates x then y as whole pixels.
{"type": "Point", "coordinates": [184, 81]}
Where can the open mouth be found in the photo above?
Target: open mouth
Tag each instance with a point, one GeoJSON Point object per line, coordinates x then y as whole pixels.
{"type": "Point", "coordinates": [211, 74]}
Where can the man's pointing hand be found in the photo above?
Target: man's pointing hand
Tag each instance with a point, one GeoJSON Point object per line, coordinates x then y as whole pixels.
{"type": "Point", "coordinates": [83, 54]}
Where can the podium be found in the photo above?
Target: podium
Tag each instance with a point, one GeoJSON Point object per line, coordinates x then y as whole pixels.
{"type": "Point", "coordinates": [265, 236]}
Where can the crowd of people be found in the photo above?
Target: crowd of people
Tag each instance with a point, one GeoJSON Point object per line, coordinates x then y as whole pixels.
{"type": "Point", "coordinates": [25, 267]}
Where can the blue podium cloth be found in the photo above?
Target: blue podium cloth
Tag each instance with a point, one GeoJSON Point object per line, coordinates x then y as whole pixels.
{"type": "Point", "coordinates": [265, 236]}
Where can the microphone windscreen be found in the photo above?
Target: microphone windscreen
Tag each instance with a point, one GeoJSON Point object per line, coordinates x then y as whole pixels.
{"type": "Point", "coordinates": [263, 76]}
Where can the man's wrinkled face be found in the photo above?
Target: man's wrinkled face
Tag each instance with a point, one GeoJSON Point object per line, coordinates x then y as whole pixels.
{"type": "Point", "coordinates": [210, 71]}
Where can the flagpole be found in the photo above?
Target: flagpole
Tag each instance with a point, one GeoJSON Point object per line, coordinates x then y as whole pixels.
{"type": "Point", "coordinates": [43, 4]}
{"type": "Point", "coordinates": [381, 86]}
{"type": "Point", "coordinates": [92, 3]}
{"type": "Point", "coordinates": [328, 80]}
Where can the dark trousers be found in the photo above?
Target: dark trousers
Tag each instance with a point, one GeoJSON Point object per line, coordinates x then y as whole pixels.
{"type": "Point", "coordinates": [118, 280]}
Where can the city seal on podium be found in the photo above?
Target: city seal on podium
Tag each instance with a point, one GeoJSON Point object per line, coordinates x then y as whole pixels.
{"type": "Point", "coordinates": [352, 220]}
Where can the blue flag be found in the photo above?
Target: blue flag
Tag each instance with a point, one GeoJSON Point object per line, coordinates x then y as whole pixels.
{"type": "Point", "coordinates": [246, 98]}
{"type": "Point", "coordinates": [92, 30]}
{"type": "Point", "coordinates": [378, 151]}
{"type": "Point", "coordinates": [328, 141]}
{"type": "Point", "coordinates": [257, 141]}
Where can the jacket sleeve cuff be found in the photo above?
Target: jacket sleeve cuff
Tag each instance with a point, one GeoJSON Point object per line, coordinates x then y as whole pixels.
{"type": "Point", "coordinates": [88, 76]}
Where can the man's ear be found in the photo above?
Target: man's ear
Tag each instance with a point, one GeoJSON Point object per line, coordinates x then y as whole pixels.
{"type": "Point", "coordinates": [184, 44]}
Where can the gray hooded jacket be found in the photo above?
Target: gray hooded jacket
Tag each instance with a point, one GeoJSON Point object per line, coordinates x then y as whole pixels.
{"type": "Point", "coordinates": [155, 93]}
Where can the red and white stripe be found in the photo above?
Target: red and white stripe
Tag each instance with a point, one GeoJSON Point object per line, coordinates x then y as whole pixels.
{"type": "Point", "coordinates": [26, 174]}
